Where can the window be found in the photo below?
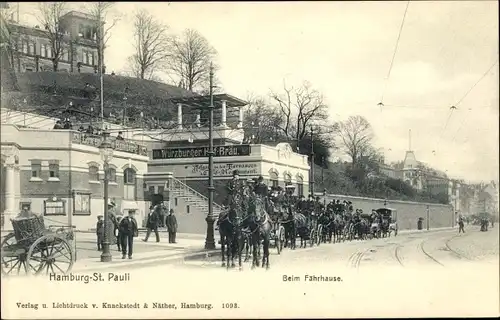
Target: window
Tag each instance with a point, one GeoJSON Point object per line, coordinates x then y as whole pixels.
{"type": "Point", "coordinates": [187, 209]}
{"type": "Point", "coordinates": [161, 189]}
{"type": "Point", "coordinates": [53, 169]}
{"type": "Point", "coordinates": [275, 183]}
{"type": "Point", "coordinates": [25, 47]}
{"type": "Point", "coordinates": [112, 175]}
{"type": "Point", "coordinates": [36, 169]}
{"type": "Point", "coordinates": [43, 50]}
{"type": "Point", "coordinates": [31, 49]}
{"type": "Point", "coordinates": [49, 51]}
{"type": "Point", "coordinates": [65, 54]}
{"type": "Point", "coordinates": [81, 204]}
{"type": "Point", "coordinates": [91, 62]}
{"type": "Point", "coordinates": [129, 176]}
{"type": "Point", "coordinates": [129, 184]}
{"type": "Point", "coordinates": [151, 190]}
{"type": "Point", "coordinates": [94, 173]}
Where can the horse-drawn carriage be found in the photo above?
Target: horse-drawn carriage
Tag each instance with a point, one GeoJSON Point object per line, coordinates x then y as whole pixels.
{"type": "Point", "coordinates": [34, 249]}
{"type": "Point", "coordinates": [389, 218]}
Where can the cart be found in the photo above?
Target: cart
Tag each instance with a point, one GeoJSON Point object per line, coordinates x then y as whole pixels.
{"type": "Point", "coordinates": [33, 249]}
{"type": "Point", "coordinates": [278, 233]}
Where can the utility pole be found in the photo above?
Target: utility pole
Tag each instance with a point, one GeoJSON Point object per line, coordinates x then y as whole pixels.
{"type": "Point", "coordinates": [323, 170]}
{"type": "Point", "coordinates": [210, 241]}
{"type": "Point", "coordinates": [311, 181]}
{"type": "Point", "coordinates": [428, 216]}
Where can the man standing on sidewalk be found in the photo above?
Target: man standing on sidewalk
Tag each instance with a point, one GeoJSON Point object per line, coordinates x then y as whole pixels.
{"type": "Point", "coordinates": [171, 223]}
{"type": "Point", "coordinates": [128, 230]}
{"type": "Point", "coordinates": [153, 222]}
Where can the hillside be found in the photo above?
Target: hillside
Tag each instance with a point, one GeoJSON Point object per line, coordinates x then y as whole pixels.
{"type": "Point", "coordinates": [335, 181]}
{"type": "Point", "coordinates": [48, 92]}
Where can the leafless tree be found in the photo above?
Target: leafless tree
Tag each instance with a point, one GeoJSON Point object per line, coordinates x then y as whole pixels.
{"type": "Point", "coordinates": [260, 120]}
{"type": "Point", "coordinates": [151, 44]}
{"type": "Point", "coordinates": [190, 57]}
{"type": "Point", "coordinates": [299, 108]}
{"type": "Point", "coordinates": [49, 15]}
{"type": "Point", "coordinates": [356, 136]}
{"type": "Point", "coordinates": [99, 12]}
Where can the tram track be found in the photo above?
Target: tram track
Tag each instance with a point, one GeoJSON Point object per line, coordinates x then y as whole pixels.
{"type": "Point", "coordinates": [456, 253]}
{"type": "Point", "coordinates": [422, 248]}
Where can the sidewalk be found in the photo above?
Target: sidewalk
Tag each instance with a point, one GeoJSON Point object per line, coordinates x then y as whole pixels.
{"type": "Point", "coordinates": [187, 246]}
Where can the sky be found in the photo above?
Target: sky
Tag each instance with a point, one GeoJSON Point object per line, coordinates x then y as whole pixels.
{"type": "Point", "coordinates": [344, 50]}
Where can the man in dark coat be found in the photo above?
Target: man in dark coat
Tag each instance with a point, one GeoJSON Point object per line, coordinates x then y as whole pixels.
{"type": "Point", "coordinates": [261, 188]}
{"type": "Point", "coordinates": [234, 187]}
{"type": "Point", "coordinates": [171, 222]}
{"type": "Point", "coordinates": [128, 230]}
{"type": "Point", "coordinates": [99, 230]}
{"type": "Point", "coordinates": [153, 222]}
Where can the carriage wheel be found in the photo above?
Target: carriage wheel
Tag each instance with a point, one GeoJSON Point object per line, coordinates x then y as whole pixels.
{"type": "Point", "coordinates": [395, 232]}
{"type": "Point", "coordinates": [281, 237]}
{"type": "Point", "coordinates": [319, 234]}
{"type": "Point", "coordinates": [51, 253]}
{"type": "Point", "coordinates": [13, 257]}
{"type": "Point", "coordinates": [312, 236]}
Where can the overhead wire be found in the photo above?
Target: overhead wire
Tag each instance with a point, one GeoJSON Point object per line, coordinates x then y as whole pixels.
{"type": "Point", "coordinates": [381, 104]}
{"type": "Point", "coordinates": [475, 84]}
{"type": "Point", "coordinates": [461, 100]}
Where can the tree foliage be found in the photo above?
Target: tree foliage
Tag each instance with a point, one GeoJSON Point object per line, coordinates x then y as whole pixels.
{"type": "Point", "coordinates": [190, 58]}
{"type": "Point", "coordinates": [356, 135]}
{"type": "Point", "coordinates": [99, 12]}
{"type": "Point", "coordinates": [49, 15]}
{"type": "Point", "coordinates": [151, 45]}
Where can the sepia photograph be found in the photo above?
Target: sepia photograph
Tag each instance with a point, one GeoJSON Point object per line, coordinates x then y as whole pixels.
{"type": "Point", "coordinates": [223, 160]}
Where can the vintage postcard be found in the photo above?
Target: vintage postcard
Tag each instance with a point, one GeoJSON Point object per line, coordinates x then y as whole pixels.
{"type": "Point", "coordinates": [249, 159]}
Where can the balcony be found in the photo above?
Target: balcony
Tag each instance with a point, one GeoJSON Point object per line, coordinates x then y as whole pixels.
{"type": "Point", "coordinates": [119, 145]}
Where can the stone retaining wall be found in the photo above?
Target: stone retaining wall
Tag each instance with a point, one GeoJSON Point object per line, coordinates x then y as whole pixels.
{"type": "Point", "coordinates": [439, 216]}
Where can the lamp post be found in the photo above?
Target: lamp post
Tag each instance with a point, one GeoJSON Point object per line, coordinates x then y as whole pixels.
{"type": "Point", "coordinates": [210, 241]}
{"type": "Point", "coordinates": [324, 197]}
{"type": "Point", "coordinates": [106, 151]}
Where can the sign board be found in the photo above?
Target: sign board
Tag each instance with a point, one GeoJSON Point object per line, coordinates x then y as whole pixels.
{"type": "Point", "coordinates": [224, 169]}
{"type": "Point", "coordinates": [201, 152]}
{"type": "Point", "coordinates": [54, 207]}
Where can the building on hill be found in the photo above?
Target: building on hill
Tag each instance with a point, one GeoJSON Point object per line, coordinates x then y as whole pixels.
{"type": "Point", "coordinates": [33, 50]}
{"type": "Point", "coordinates": [58, 173]}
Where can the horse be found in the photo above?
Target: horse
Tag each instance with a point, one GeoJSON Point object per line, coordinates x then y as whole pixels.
{"type": "Point", "coordinates": [259, 224]}
{"type": "Point", "coordinates": [230, 230]}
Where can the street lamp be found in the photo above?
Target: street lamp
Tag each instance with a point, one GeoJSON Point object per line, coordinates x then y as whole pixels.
{"type": "Point", "coordinates": [210, 241]}
{"type": "Point", "coordinates": [106, 151]}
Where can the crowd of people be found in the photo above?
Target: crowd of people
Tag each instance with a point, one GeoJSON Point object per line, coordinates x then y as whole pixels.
{"type": "Point", "coordinates": [284, 202]}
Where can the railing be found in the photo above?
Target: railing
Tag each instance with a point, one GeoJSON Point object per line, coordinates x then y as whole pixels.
{"type": "Point", "coordinates": [179, 184]}
{"type": "Point", "coordinates": [118, 145]}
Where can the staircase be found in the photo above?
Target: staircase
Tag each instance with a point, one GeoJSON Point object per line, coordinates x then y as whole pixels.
{"type": "Point", "coordinates": [192, 197]}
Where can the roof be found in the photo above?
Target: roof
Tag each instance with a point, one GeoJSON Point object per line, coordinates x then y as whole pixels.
{"type": "Point", "coordinates": [202, 102]}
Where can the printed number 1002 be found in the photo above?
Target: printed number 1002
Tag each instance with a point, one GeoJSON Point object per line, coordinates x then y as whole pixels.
{"type": "Point", "coordinates": [230, 306]}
